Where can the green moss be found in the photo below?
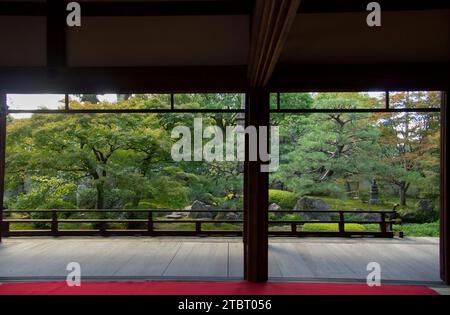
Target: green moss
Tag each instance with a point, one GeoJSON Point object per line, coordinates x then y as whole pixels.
{"type": "Point", "coordinates": [75, 226]}
{"type": "Point", "coordinates": [411, 229]}
{"type": "Point", "coordinates": [350, 204]}
{"type": "Point", "coordinates": [424, 229]}
{"type": "Point", "coordinates": [174, 226]}
{"type": "Point", "coordinates": [292, 217]}
{"type": "Point", "coordinates": [332, 227]}
{"type": "Point", "coordinates": [21, 226]}
{"type": "Point", "coordinates": [221, 227]}
{"type": "Point", "coordinates": [285, 199]}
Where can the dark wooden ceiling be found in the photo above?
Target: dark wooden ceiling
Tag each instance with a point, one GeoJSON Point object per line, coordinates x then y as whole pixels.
{"type": "Point", "coordinates": [238, 42]}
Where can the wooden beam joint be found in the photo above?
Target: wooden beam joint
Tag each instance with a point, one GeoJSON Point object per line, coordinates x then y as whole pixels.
{"type": "Point", "coordinates": [271, 22]}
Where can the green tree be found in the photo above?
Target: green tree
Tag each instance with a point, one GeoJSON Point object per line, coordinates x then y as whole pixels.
{"type": "Point", "coordinates": [331, 150]}
{"type": "Point", "coordinates": [410, 149]}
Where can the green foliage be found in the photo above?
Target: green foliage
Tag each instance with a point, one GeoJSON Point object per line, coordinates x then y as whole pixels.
{"type": "Point", "coordinates": [332, 227]}
{"type": "Point", "coordinates": [123, 161]}
{"type": "Point", "coordinates": [143, 204]}
{"type": "Point", "coordinates": [109, 161]}
{"type": "Point", "coordinates": [285, 199]}
{"type": "Point", "coordinates": [45, 193]}
{"type": "Point", "coordinates": [330, 154]}
{"type": "Point", "coordinates": [331, 150]}
{"type": "Point", "coordinates": [411, 229]}
{"type": "Point", "coordinates": [292, 217]}
{"type": "Point", "coordinates": [426, 217]}
{"type": "Point", "coordinates": [418, 230]}
{"type": "Point", "coordinates": [221, 227]}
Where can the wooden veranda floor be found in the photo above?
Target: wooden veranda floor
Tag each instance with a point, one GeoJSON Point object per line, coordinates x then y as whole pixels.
{"type": "Point", "coordinates": [409, 259]}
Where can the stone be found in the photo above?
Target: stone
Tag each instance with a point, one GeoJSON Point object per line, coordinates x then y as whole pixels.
{"type": "Point", "coordinates": [174, 216]}
{"type": "Point", "coordinates": [275, 208]}
{"type": "Point", "coordinates": [182, 214]}
{"type": "Point", "coordinates": [425, 211]}
{"type": "Point", "coordinates": [277, 184]}
{"type": "Point", "coordinates": [227, 205]}
{"type": "Point", "coordinates": [311, 204]}
{"type": "Point", "coordinates": [366, 216]}
{"type": "Point", "coordinates": [425, 205]}
{"type": "Point", "coordinates": [232, 216]}
{"type": "Point", "coordinates": [199, 205]}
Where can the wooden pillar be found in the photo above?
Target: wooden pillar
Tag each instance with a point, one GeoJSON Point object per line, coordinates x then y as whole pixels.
{"type": "Point", "coordinates": [445, 206]}
{"type": "Point", "coordinates": [2, 155]}
{"type": "Point", "coordinates": [256, 196]}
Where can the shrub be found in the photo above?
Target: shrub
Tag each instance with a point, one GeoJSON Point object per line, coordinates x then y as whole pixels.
{"type": "Point", "coordinates": [144, 204]}
{"type": "Point", "coordinates": [232, 204]}
{"type": "Point", "coordinates": [50, 205]}
{"type": "Point", "coordinates": [426, 217]}
{"type": "Point", "coordinates": [419, 230]}
{"type": "Point", "coordinates": [332, 227]}
{"type": "Point", "coordinates": [285, 199]}
{"type": "Point", "coordinates": [291, 217]}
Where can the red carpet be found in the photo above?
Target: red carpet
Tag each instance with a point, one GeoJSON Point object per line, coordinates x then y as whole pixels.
{"type": "Point", "coordinates": [208, 288]}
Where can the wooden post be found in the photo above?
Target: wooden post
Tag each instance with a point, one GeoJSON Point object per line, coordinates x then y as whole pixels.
{"type": "Point", "coordinates": [198, 227]}
{"type": "Point", "coordinates": [383, 225]}
{"type": "Point", "coordinates": [256, 188]}
{"type": "Point", "coordinates": [54, 223]}
{"type": "Point", "coordinates": [102, 227]}
{"type": "Point", "coordinates": [5, 228]}
{"type": "Point", "coordinates": [150, 222]}
{"type": "Point", "coordinates": [294, 228]}
{"type": "Point", "coordinates": [3, 110]}
{"type": "Point", "coordinates": [341, 223]}
{"type": "Point", "coordinates": [444, 244]}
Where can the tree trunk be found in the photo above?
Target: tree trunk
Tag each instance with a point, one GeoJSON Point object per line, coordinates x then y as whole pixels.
{"type": "Point", "coordinates": [136, 200]}
{"type": "Point", "coordinates": [402, 193]}
{"type": "Point", "coordinates": [100, 204]}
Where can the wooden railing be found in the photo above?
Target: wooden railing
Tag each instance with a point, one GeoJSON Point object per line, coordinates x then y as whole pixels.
{"type": "Point", "coordinates": [151, 224]}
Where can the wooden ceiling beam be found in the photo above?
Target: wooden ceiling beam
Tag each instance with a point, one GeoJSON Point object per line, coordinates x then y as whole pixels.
{"type": "Point", "coordinates": [360, 77]}
{"type": "Point", "coordinates": [76, 80]}
{"type": "Point", "coordinates": [271, 22]}
{"type": "Point", "coordinates": [342, 6]}
{"type": "Point", "coordinates": [135, 8]}
{"type": "Point", "coordinates": [218, 7]}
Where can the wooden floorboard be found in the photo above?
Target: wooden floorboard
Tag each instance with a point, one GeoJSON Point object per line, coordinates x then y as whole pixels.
{"type": "Point", "coordinates": [218, 258]}
{"type": "Point", "coordinates": [199, 259]}
{"type": "Point", "coordinates": [150, 259]}
{"type": "Point", "coordinates": [235, 260]}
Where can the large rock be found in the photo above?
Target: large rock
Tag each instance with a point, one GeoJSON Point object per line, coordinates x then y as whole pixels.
{"type": "Point", "coordinates": [425, 205]}
{"type": "Point", "coordinates": [366, 216]}
{"type": "Point", "coordinates": [174, 216]}
{"type": "Point", "coordinates": [425, 211]}
{"type": "Point", "coordinates": [233, 216]}
{"type": "Point", "coordinates": [228, 216]}
{"type": "Point", "coordinates": [227, 205]}
{"type": "Point", "coordinates": [198, 205]}
{"type": "Point", "coordinates": [274, 208]}
{"type": "Point", "coordinates": [277, 184]}
{"type": "Point", "coordinates": [311, 204]}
